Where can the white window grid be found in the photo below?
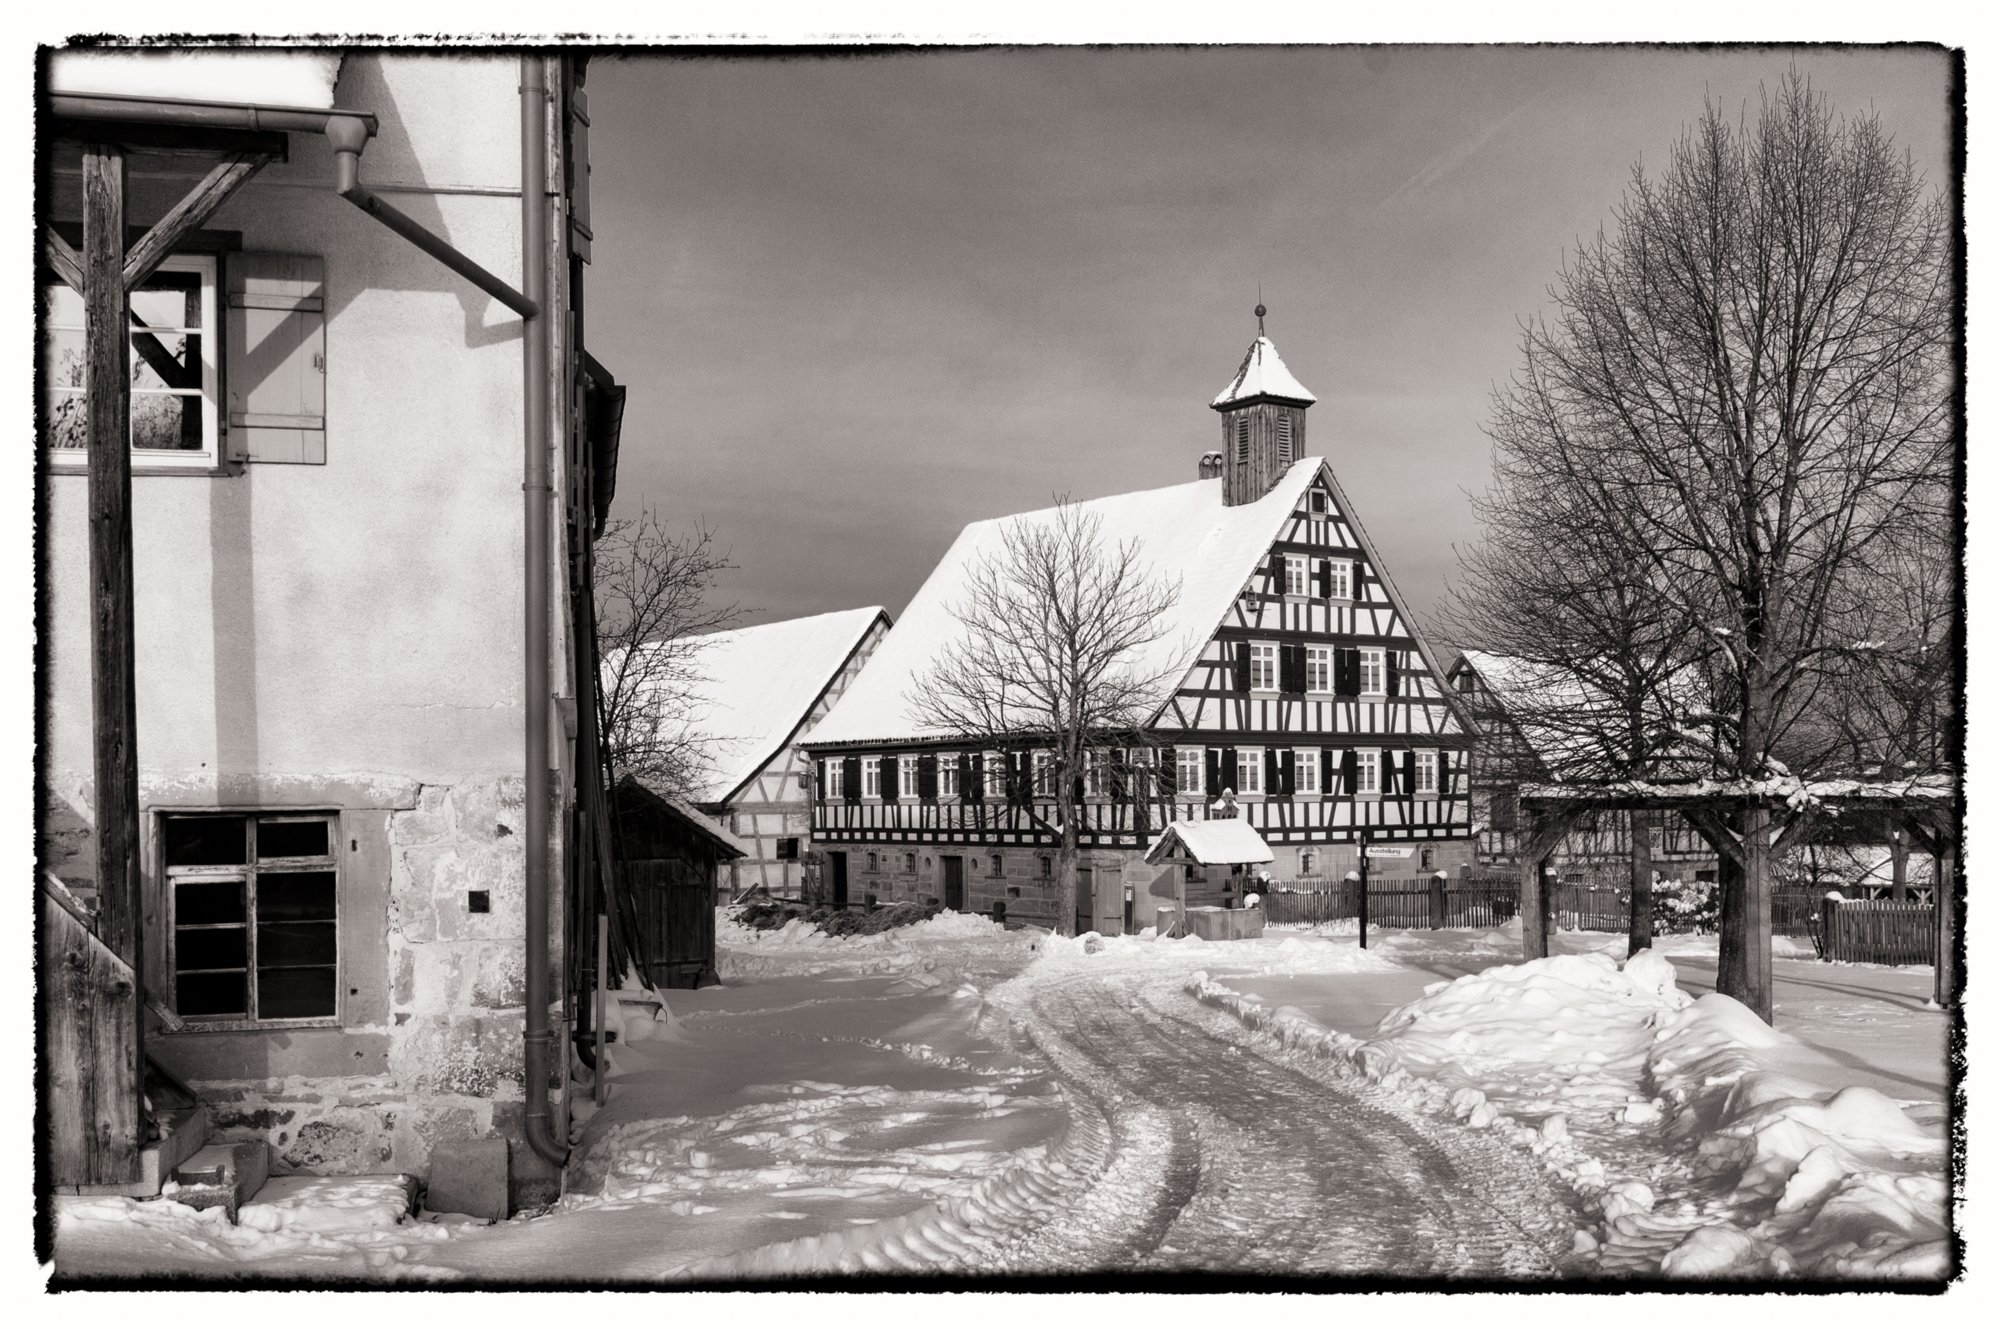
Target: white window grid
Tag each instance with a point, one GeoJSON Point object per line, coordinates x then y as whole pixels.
{"type": "Point", "coordinates": [1249, 770]}
{"type": "Point", "coordinates": [1368, 771]}
{"type": "Point", "coordinates": [947, 775]}
{"type": "Point", "coordinates": [1263, 666]}
{"type": "Point", "coordinates": [1305, 770]}
{"type": "Point", "coordinates": [1340, 578]}
{"type": "Point", "coordinates": [1188, 771]}
{"type": "Point", "coordinates": [1427, 774]}
{"type": "Point", "coordinates": [1045, 775]}
{"type": "Point", "coordinates": [836, 779]}
{"type": "Point", "coordinates": [871, 777]}
{"type": "Point", "coordinates": [906, 777]}
{"type": "Point", "coordinates": [1319, 669]}
{"type": "Point", "coordinates": [1298, 575]}
{"type": "Point", "coordinates": [996, 775]}
{"type": "Point", "coordinates": [1096, 774]}
{"type": "Point", "coordinates": [1372, 673]}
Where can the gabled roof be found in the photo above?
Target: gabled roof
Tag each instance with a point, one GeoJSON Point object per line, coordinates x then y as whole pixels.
{"type": "Point", "coordinates": [1262, 374]}
{"type": "Point", "coordinates": [702, 824]}
{"type": "Point", "coordinates": [1183, 532]}
{"type": "Point", "coordinates": [759, 683]}
{"type": "Point", "coordinates": [1222, 841]}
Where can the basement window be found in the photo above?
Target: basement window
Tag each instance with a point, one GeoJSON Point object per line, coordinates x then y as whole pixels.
{"type": "Point", "coordinates": [253, 917]}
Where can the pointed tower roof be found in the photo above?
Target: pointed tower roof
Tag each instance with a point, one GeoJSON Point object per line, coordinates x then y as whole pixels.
{"type": "Point", "coordinates": [1262, 374]}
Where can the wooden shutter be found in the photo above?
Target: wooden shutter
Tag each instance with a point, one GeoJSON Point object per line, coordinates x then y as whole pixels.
{"type": "Point", "coordinates": [1229, 769]}
{"type": "Point", "coordinates": [1444, 773]}
{"type": "Point", "coordinates": [850, 779]}
{"type": "Point", "coordinates": [1167, 773]}
{"type": "Point", "coordinates": [1327, 787]}
{"type": "Point", "coordinates": [1116, 774]}
{"type": "Point", "coordinates": [275, 358]}
{"type": "Point", "coordinates": [1348, 773]}
{"type": "Point", "coordinates": [1242, 666]}
{"type": "Point", "coordinates": [819, 776]}
{"type": "Point", "coordinates": [1324, 567]}
{"type": "Point", "coordinates": [1347, 674]}
{"type": "Point", "coordinates": [1392, 682]}
{"type": "Point", "coordinates": [1214, 772]}
{"type": "Point", "coordinates": [927, 776]}
{"type": "Point", "coordinates": [970, 785]}
{"type": "Point", "coordinates": [1274, 779]}
{"type": "Point", "coordinates": [579, 172]}
{"type": "Point", "coordinates": [886, 783]}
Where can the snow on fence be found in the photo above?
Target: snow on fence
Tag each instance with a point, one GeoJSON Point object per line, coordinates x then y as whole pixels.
{"type": "Point", "coordinates": [1878, 931]}
{"type": "Point", "coordinates": [1392, 903]}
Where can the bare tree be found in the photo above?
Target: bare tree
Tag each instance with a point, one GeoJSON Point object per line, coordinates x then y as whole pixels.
{"type": "Point", "coordinates": [1748, 387]}
{"type": "Point", "coordinates": [1053, 654]}
{"type": "Point", "coordinates": [653, 601]}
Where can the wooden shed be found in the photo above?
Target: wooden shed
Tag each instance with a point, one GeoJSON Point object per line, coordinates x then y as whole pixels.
{"type": "Point", "coordinates": [668, 853]}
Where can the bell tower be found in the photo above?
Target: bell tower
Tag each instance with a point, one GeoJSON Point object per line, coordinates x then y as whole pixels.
{"type": "Point", "coordinates": [1263, 422]}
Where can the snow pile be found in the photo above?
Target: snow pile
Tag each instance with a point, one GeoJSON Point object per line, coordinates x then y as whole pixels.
{"type": "Point", "coordinates": [968, 941]}
{"type": "Point", "coordinates": [1703, 1142]}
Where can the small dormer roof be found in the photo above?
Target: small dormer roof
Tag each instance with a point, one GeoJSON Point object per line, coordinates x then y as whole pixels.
{"type": "Point", "coordinates": [1262, 374]}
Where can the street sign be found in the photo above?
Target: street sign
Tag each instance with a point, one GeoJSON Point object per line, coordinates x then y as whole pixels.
{"type": "Point", "coordinates": [1386, 851]}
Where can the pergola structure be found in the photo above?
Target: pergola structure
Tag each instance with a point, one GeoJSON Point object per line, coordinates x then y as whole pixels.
{"type": "Point", "coordinates": [1785, 808]}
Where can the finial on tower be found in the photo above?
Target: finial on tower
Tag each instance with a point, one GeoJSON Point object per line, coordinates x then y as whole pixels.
{"type": "Point", "coordinates": [1260, 315]}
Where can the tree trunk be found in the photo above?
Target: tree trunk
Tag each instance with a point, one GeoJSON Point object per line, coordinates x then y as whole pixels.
{"type": "Point", "coordinates": [1639, 929]}
{"type": "Point", "coordinates": [1743, 965]}
{"type": "Point", "coordinates": [1066, 878]}
{"type": "Point", "coordinates": [1899, 865]}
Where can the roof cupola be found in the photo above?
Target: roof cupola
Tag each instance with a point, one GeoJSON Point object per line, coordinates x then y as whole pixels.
{"type": "Point", "coordinates": [1263, 413]}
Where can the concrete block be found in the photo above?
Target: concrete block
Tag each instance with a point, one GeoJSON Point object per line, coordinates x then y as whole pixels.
{"type": "Point", "coordinates": [224, 1176]}
{"type": "Point", "coordinates": [469, 1177]}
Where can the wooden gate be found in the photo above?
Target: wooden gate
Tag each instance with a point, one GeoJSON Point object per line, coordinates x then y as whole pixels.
{"type": "Point", "coordinates": [675, 904]}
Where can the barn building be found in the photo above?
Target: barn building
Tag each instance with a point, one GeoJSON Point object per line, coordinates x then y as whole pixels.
{"type": "Point", "coordinates": [759, 689]}
{"type": "Point", "coordinates": [1311, 697]}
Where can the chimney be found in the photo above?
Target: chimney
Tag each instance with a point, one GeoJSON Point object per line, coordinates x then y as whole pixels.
{"type": "Point", "coordinates": [1211, 465]}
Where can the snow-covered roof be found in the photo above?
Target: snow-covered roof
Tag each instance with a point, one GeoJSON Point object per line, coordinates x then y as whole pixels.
{"type": "Point", "coordinates": [697, 819]}
{"type": "Point", "coordinates": [757, 685]}
{"type": "Point", "coordinates": [1182, 532]}
{"type": "Point", "coordinates": [253, 77]}
{"type": "Point", "coordinates": [1262, 374]}
{"type": "Point", "coordinates": [1222, 841]}
{"type": "Point", "coordinates": [1934, 789]}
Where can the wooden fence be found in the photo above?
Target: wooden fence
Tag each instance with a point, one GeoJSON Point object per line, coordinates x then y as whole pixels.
{"type": "Point", "coordinates": [1878, 931]}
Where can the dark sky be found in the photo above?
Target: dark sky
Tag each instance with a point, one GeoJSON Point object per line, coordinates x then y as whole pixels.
{"type": "Point", "coordinates": [860, 302]}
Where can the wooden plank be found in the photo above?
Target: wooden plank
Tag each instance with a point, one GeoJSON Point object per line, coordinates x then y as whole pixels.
{"type": "Point", "coordinates": [116, 1057]}
{"type": "Point", "coordinates": [199, 204]}
{"type": "Point", "coordinates": [172, 140]}
{"type": "Point", "coordinates": [90, 1021]}
{"type": "Point", "coordinates": [60, 256]}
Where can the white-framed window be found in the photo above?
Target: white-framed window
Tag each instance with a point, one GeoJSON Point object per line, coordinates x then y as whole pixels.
{"type": "Point", "coordinates": [1142, 762]}
{"type": "Point", "coordinates": [176, 378]}
{"type": "Point", "coordinates": [947, 775]}
{"type": "Point", "coordinates": [1263, 666]}
{"type": "Point", "coordinates": [1368, 771]}
{"type": "Point", "coordinates": [1189, 774]}
{"type": "Point", "coordinates": [1340, 578]}
{"type": "Point", "coordinates": [995, 766]}
{"type": "Point", "coordinates": [871, 777]}
{"type": "Point", "coordinates": [1319, 669]}
{"type": "Point", "coordinates": [1298, 575]}
{"type": "Point", "coordinates": [1427, 773]}
{"type": "Point", "coordinates": [836, 778]}
{"type": "Point", "coordinates": [1372, 671]}
{"type": "Point", "coordinates": [1249, 770]}
{"type": "Point", "coordinates": [253, 927]}
{"type": "Point", "coordinates": [906, 777]}
{"type": "Point", "coordinates": [1045, 775]}
{"type": "Point", "coordinates": [1305, 771]}
{"type": "Point", "coordinates": [1096, 773]}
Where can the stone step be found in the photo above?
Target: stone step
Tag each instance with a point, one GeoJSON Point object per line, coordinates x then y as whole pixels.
{"type": "Point", "coordinates": [181, 1133]}
{"type": "Point", "coordinates": [225, 1176]}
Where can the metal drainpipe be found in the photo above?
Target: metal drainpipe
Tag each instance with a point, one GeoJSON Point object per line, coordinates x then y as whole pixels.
{"type": "Point", "coordinates": [536, 1040]}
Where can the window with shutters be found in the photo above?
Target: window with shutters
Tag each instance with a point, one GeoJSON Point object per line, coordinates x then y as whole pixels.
{"type": "Point", "coordinates": [906, 778]}
{"type": "Point", "coordinates": [947, 774]}
{"type": "Point", "coordinates": [1368, 772]}
{"type": "Point", "coordinates": [1319, 669]}
{"type": "Point", "coordinates": [1298, 573]}
{"type": "Point", "coordinates": [1305, 771]}
{"type": "Point", "coordinates": [175, 369]}
{"type": "Point", "coordinates": [1263, 666]}
{"type": "Point", "coordinates": [1285, 440]}
{"type": "Point", "coordinates": [1340, 579]}
{"type": "Point", "coordinates": [1243, 438]}
{"type": "Point", "coordinates": [1188, 772]}
{"type": "Point", "coordinates": [1426, 783]}
{"type": "Point", "coordinates": [253, 917]}
{"type": "Point", "coordinates": [871, 777]}
{"type": "Point", "coordinates": [836, 787]}
{"type": "Point", "coordinates": [1373, 671]}
{"type": "Point", "coordinates": [1249, 770]}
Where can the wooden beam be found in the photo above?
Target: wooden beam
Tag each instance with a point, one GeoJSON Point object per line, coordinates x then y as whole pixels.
{"type": "Point", "coordinates": [66, 262]}
{"type": "Point", "coordinates": [187, 215]}
{"type": "Point", "coordinates": [118, 1077]}
{"type": "Point", "coordinates": [172, 140]}
{"type": "Point", "coordinates": [1944, 894]}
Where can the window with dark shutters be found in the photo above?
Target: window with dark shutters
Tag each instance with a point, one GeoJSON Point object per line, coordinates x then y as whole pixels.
{"type": "Point", "coordinates": [1116, 774]}
{"type": "Point", "coordinates": [850, 779]}
{"type": "Point", "coordinates": [1274, 783]}
{"type": "Point", "coordinates": [927, 784]}
{"type": "Point", "coordinates": [1229, 768]}
{"type": "Point", "coordinates": [1242, 649]}
{"type": "Point", "coordinates": [1166, 775]}
{"type": "Point", "coordinates": [1327, 787]}
{"type": "Point", "coordinates": [1444, 773]}
{"type": "Point", "coordinates": [888, 779]}
{"type": "Point", "coordinates": [819, 779]}
{"type": "Point", "coordinates": [1214, 773]}
{"type": "Point", "coordinates": [1347, 671]}
{"type": "Point", "coordinates": [1391, 675]}
{"type": "Point", "coordinates": [1292, 668]}
{"type": "Point", "coordinates": [1324, 567]}
{"type": "Point", "coordinates": [1348, 775]}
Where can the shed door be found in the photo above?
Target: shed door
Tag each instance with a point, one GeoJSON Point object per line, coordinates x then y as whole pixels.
{"type": "Point", "coordinates": [954, 883]}
{"type": "Point", "coordinates": [837, 863]}
{"type": "Point", "coordinates": [1086, 888]}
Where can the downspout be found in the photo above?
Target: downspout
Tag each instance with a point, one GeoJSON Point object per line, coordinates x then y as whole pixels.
{"type": "Point", "coordinates": [535, 494]}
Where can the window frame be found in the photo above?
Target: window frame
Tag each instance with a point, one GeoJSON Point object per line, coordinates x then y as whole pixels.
{"type": "Point", "coordinates": [836, 779]}
{"type": "Point", "coordinates": [871, 778]}
{"type": "Point", "coordinates": [247, 873]}
{"type": "Point", "coordinates": [1250, 761]}
{"type": "Point", "coordinates": [75, 461]}
{"type": "Point", "coordinates": [1378, 656]}
{"type": "Point", "coordinates": [1298, 576]}
{"type": "Point", "coordinates": [1045, 774]}
{"type": "Point", "coordinates": [1264, 660]}
{"type": "Point", "coordinates": [1190, 772]}
{"type": "Point", "coordinates": [993, 769]}
{"type": "Point", "coordinates": [1316, 502]}
{"type": "Point", "coordinates": [1305, 772]}
{"type": "Point", "coordinates": [906, 778]}
{"type": "Point", "coordinates": [1340, 578]}
{"type": "Point", "coordinates": [1424, 762]}
{"type": "Point", "coordinates": [1319, 659]}
{"type": "Point", "coordinates": [1368, 772]}
{"type": "Point", "coordinates": [947, 775]}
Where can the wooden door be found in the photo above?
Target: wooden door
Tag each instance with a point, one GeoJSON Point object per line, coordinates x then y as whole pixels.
{"type": "Point", "coordinates": [1085, 909]}
{"type": "Point", "coordinates": [837, 863]}
{"type": "Point", "coordinates": [954, 882]}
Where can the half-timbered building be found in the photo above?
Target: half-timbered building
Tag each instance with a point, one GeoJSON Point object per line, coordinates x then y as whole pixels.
{"type": "Point", "coordinates": [1308, 694]}
{"type": "Point", "coordinates": [759, 689]}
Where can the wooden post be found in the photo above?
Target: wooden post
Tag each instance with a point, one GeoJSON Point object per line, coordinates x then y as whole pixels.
{"type": "Point", "coordinates": [1639, 926]}
{"type": "Point", "coordinates": [116, 1118]}
{"type": "Point", "coordinates": [1362, 906]}
{"type": "Point", "coordinates": [1534, 898]}
{"type": "Point", "coordinates": [1437, 899]}
{"type": "Point", "coordinates": [1944, 989]}
{"type": "Point", "coordinates": [603, 960]}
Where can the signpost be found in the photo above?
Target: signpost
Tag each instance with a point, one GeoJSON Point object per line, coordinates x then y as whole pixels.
{"type": "Point", "coordinates": [1366, 854]}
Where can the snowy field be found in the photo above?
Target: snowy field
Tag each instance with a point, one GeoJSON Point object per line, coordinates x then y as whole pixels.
{"type": "Point", "coordinates": [957, 1099]}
